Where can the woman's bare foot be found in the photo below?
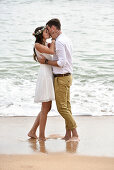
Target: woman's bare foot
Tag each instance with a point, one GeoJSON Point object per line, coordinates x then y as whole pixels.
{"type": "Point", "coordinates": [32, 135]}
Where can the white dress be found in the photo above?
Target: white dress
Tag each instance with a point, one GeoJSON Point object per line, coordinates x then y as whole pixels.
{"type": "Point", "coordinates": [44, 87]}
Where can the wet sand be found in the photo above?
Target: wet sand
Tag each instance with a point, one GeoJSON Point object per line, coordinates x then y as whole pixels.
{"type": "Point", "coordinates": [94, 151]}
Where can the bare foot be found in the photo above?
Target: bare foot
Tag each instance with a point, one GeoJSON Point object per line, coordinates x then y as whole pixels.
{"type": "Point", "coordinates": [32, 135]}
{"type": "Point", "coordinates": [67, 135]}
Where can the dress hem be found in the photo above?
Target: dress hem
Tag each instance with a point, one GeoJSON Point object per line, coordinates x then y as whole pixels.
{"type": "Point", "coordinates": [40, 101]}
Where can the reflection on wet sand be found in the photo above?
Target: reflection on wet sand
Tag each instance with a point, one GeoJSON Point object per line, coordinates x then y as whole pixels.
{"type": "Point", "coordinates": [40, 146]}
{"type": "Point", "coordinates": [71, 146]}
{"type": "Point", "coordinates": [37, 148]}
{"type": "Point", "coordinates": [33, 144]}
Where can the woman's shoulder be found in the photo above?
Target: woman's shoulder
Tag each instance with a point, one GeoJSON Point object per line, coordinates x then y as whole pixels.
{"type": "Point", "coordinates": [37, 52]}
{"type": "Point", "coordinates": [48, 56]}
{"type": "Point", "coordinates": [37, 47]}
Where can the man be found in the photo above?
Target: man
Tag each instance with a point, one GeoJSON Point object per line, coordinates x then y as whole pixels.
{"type": "Point", "coordinates": [62, 70]}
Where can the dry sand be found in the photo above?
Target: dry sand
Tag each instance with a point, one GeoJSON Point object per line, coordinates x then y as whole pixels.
{"type": "Point", "coordinates": [55, 162]}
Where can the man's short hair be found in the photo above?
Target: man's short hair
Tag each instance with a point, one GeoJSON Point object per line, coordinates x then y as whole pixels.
{"type": "Point", "coordinates": [55, 22]}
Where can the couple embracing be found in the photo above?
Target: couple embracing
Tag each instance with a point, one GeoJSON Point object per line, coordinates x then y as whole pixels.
{"type": "Point", "coordinates": [54, 78]}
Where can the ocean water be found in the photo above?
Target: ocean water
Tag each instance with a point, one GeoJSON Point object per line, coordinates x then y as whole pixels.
{"type": "Point", "coordinates": [90, 26]}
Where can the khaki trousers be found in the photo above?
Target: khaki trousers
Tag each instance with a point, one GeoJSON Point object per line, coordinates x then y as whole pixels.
{"type": "Point", "coordinates": [62, 97]}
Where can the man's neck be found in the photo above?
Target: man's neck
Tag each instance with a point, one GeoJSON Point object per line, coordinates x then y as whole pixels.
{"type": "Point", "coordinates": [58, 33]}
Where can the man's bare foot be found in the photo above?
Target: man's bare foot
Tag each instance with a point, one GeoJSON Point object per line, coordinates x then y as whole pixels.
{"type": "Point", "coordinates": [66, 138]}
{"type": "Point", "coordinates": [67, 135]}
{"type": "Point", "coordinates": [32, 135]}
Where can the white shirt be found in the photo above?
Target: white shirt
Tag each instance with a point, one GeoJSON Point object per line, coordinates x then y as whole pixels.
{"type": "Point", "coordinates": [63, 55]}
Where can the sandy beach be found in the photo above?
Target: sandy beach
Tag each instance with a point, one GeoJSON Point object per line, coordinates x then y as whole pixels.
{"type": "Point", "coordinates": [94, 151]}
{"type": "Point", "coordinates": [55, 162]}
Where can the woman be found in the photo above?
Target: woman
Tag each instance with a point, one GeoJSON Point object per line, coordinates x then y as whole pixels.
{"type": "Point", "coordinates": [44, 92]}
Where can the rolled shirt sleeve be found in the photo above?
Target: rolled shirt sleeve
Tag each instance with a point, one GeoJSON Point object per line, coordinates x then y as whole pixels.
{"type": "Point", "coordinates": [61, 54]}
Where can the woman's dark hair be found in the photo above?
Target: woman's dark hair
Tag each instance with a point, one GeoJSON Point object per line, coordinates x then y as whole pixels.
{"type": "Point", "coordinates": [55, 22]}
{"type": "Point", "coordinates": [38, 33]}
